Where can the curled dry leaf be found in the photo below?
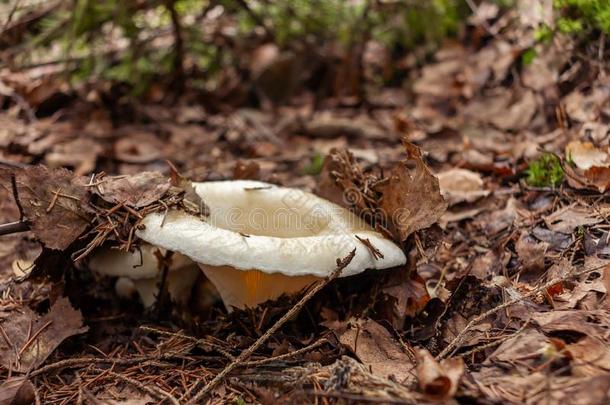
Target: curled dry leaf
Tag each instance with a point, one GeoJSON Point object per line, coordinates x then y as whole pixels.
{"type": "Point", "coordinates": [461, 185]}
{"type": "Point", "coordinates": [30, 339]}
{"type": "Point", "coordinates": [17, 391]}
{"type": "Point", "coordinates": [438, 380]}
{"type": "Point", "coordinates": [54, 203]}
{"type": "Point", "coordinates": [411, 198]}
{"type": "Point", "coordinates": [137, 191]}
{"type": "Point", "coordinates": [585, 155]}
{"type": "Point", "coordinates": [375, 348]}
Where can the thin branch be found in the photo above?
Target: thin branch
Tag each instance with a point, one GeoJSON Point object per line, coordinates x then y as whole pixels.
{"type": "Point", "coordinates": [341, 264]}
{"type": "Point", "coordinates": [286, 355]}
{"type": "Point", "coordinates": [178, 68]}
{"type": "Point", "coordinates": [256, 18]}
{"type": "Point", "coordinates": [14, 227]}
{"type": "Point", "coordinates": [458, 340]}
{"type": "Point", "coordinates": [154, 391]}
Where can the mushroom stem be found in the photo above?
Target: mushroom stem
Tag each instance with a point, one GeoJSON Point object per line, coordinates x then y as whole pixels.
{"type": "Point", "coordinates": [248, 288]}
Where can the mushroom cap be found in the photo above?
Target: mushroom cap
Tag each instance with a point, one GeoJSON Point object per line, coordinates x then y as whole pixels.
{"type": "Point", "coordinates": [140, 271]}
{"type": "Point", "coordinates": [138, 264]}
{"type": "Point", "coordinates": [259, 226]}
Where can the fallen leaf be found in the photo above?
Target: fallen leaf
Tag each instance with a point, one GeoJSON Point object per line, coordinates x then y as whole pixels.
{"type": "Point", "coordinates": [411, 197]}
{"type": "Point", "coordinates": [81, 154]}
{"type": "Point", "coordinates": [518, 115]}
{"type": "Point", "coordinates": [375, 348]}
{"type": "Point", "coordinates": [568, 218]}
{"type": "Point", "coordinates": [599, 178]}
{"type": "Point", "coordinates": [438, 381]}
{"type": "Point", "coordinates": [531, 253]}
{"type": "Point", "coordinates": [139, 147]}
{"type": "Point", "coordinates": [557, 241]}
{"type": "Point", "coordinates": [54, 203]}
{"type": "Point", "coordinates": [461, 185]}
{"type": "Point", "coordinates": [326, 125]}
{"type": "Point", "coordinates": [30, 339]}
{"type": "Point", "coordinates": [591, 357]}
{"type": "Point", "coordinates": [17, 391]}
{"type": "Point", "coordinates": [246, 170]}
{"type": "Point", "coordinates": [499, 220]}
{"type": "Point", "coordinates": [137, 191]}
{"type": "Point", "coordinates": [594, 323]}
{"type": "Point", "coordinates": [585, 155]}
{"type": "Point", "coordinates": [586, 107]}
{"type": "Point", "coordinates": [409, 296]}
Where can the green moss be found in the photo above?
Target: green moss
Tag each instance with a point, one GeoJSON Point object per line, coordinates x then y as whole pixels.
{"type": "Point", "coordinates": [528, 56]}
{"type": "Point", "coordinates": [543, 34]}
{"type": "Point", "coordinates": [546, 171]}
{"type": "Point", "coordinates": [580, 15]}
{"type": "Point", "coordinates": [315, 165]}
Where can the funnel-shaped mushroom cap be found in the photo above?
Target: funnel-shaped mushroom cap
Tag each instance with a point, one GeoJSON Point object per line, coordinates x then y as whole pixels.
{"type": "Point", "coordinates": [258, 226]}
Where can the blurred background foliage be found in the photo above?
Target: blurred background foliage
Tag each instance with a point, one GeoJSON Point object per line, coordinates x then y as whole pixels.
{"type": "Point", "coordinates": [136, 42]}
{"type": "Point", "coordinates": [142, 43]}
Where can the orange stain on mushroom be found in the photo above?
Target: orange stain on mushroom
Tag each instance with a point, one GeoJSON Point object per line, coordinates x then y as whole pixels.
{"type": "Point", "coordinates": [253, 280]}
{"type": "Point", "coordinates": [248, 288]}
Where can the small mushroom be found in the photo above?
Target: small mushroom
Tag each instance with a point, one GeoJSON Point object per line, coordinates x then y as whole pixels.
{"type": "Point", "coordinates": [261, 241]}
{"type": "Point", "coordinates": [139, 272]}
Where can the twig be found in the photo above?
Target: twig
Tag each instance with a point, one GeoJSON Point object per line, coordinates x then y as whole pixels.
{"type": "Point", "coordinates": [475, 10]}
{"type": "Point", "coordinates": [33, 338]}
{"type": "Point", "coordinates": [495, 342]}
{"type": "Point", "coordinates": [178, 61]}
{"type": "Point", "coordinates": [13, 165]}
{"type": "Point", "coordinates": [83, 361]}
{"type": "Point", "coordinates": [286, 355]}
{"type": "Point", "coordinates": [155, 392]}
{"type": "Point", "coordinates": [14, 227]}
{"type": "Point", "coordinates": [341, 264]}
{"type": "Point", "coordinates": [16, 196]}
{"type": "Point", "coordinates": [53, 200]}
{"type": "Point", "coordinates": [457, 341]}
{"type": "Point", "coordinates": [199, 342]}
{"type": "Point", "coordinates": [256, 18]}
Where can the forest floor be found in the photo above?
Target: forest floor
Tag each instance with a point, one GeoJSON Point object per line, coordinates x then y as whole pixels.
{"type": "Point", "coordinates": [503, 300]}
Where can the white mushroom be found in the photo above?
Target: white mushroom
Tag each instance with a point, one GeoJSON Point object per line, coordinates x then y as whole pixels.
{"type": "Point", "coordinates": [140, 272]}
{"type": "Point", "coordinates": [261, 241]}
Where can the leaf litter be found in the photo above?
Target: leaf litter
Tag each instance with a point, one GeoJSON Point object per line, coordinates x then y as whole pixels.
{"type": "Point", "coordinates": [507, 302]}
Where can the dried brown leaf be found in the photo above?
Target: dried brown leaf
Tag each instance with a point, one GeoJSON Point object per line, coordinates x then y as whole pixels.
{"type": "Point", "coordinates": [375, 347]}
{"type": "Point", "coordinates": [531, 253]}
{"type": "Point", "coordinates": [518, 115]}
{"type": "Point", "coordinates": [17, 391]}
{"type": "Point", "coordinates": [54, 203]}
{"type": "Point", "coordinates": [585, 155]}
{"type": "Point", "coordinates": [411, 197]}
{"type": "Point", "coordinates": [568, 218]}
{"type": "Point", "coordinates": [137, 191]}
{"type": "Point", "coordinates": [438, 380]}
{"type": "Point", "coordinates": [31, 338]}
{"type": "Point", "coordinates": [461, 185]}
